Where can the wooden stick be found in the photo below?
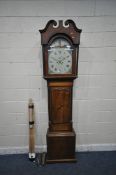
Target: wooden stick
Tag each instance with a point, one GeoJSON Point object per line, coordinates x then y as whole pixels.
{"type": "Point", "coordinates": [31, 131]}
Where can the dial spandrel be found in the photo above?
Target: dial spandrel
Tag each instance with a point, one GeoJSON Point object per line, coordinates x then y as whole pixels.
{"type": "Point", "coordinates": [60, 57]}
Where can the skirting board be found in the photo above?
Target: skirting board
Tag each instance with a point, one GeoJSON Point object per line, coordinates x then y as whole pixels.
{"type": "Point", "coordinates": [96, 147]}
{"type": "Point", "coordinates": [79, 148]}
{"type": "Point", "coordinates": [20, 150]}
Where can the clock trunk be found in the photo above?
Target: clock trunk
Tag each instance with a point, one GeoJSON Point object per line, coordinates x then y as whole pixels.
{"type": "Point", "coordinates": [60, 134]}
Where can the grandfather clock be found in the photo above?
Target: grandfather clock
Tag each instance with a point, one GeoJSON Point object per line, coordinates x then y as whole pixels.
{"type": "Point", "coordinates": [60, 43]}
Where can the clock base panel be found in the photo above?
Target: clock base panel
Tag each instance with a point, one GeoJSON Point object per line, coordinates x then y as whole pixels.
{"type": "Point", "coordinates": [60, 147]}
{"type": "Point", "coordinates": [60, 160]}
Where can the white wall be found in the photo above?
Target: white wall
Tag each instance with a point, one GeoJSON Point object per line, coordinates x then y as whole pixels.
{"type": "Point", "coordinates": [94, 102]}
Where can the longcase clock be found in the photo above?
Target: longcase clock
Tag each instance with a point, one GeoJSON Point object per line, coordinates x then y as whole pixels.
{"type": "Point", "coordinates": [60, 44]}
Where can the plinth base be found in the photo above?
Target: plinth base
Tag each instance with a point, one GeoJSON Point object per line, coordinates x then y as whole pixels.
{"type": "Point", "coordinates": [60, 147]}
{"type": "Point", "coordinates": [61, 161]}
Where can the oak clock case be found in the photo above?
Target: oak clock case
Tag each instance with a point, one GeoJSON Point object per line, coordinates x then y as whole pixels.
{"type": "Point", "coordinates": [60, 44]}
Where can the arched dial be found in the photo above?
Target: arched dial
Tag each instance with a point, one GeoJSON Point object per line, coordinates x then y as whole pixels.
{"type": "Point", "coordinates": [60, 57]}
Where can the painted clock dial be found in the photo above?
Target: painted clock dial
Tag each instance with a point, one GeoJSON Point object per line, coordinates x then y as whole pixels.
{"type": "Point", "coordinates": [60, 57]}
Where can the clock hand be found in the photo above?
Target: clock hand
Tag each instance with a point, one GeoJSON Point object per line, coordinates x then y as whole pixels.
{"type": "Point", "coordinates": [54, 59]}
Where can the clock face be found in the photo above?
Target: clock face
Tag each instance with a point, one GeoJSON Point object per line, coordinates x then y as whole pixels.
{"type": "Point", "coordinates": [60, 57]}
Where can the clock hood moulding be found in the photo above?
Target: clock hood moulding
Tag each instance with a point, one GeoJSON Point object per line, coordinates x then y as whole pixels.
{"type": "Point", "coordinates": [65, 65]}
{"type": "Point", "coordinates": [68, 28]}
